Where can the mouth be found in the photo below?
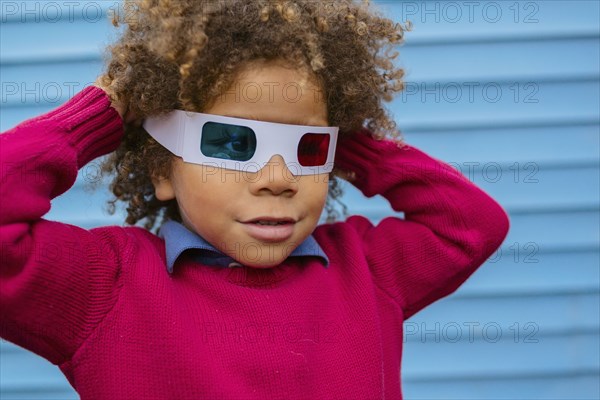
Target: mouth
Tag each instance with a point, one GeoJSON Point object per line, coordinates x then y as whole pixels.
{"type": "Point", "coordinates": [269, 229]}
{"type": "Point", "coordinates": [270, 221]}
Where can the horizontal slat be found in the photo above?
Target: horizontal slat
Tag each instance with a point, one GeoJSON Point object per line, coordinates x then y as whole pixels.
{"type": "Point", "coordinates": [540, 144]}
{"type": "Point", "coordinates": [580, 385]}
{"type": "Point", "coordinates": [449, 104]}
{"type": "Point", "coordinates": [518, 268]}
{"type": "Point", "coordinates": [531, 60]}
{"type": "Point", "coordinates": [35, 392]}
{"type": "Point", "coordinates": [452, 21]}
{"type": "Point", "coordinates": [50, 84]}
{"type": "Point", "coordinates": [553, 314]}
{"type": "Point", "coordinates": [465, 124]}
{"type": "Point", "coordinates": [550, 355]}
{"type": "Point", "coordinates": [556, 229]}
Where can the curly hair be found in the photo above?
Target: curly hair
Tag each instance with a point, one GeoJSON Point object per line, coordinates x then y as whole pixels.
{"type": "Point", "coordinates": [184, 54]}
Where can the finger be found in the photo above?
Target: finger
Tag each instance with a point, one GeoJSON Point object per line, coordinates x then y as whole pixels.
{"type": "Point", "coordinates": [345, 174]}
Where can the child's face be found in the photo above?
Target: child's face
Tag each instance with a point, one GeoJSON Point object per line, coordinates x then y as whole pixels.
{"type": "Point", "coordinates": [225, 206]}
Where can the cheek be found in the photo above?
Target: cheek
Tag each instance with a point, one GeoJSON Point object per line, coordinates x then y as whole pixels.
{"type": "Point", "coordinates": [212, 194]}
{"type": "Point", "coordinates": [192, 188]}
{"type": "Point", "coordinates": [316, 189]}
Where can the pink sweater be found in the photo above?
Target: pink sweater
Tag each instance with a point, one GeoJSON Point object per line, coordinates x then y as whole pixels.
{"type": "Point", "coordinates": [100, 304]}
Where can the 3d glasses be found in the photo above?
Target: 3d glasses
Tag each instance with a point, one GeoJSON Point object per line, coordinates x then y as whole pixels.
{"type": "Point", "coordinates": [244, 144]}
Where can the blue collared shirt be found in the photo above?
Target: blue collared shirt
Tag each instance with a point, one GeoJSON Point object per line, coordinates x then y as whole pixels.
{"type": "Point", "coordinates": [178, 239]}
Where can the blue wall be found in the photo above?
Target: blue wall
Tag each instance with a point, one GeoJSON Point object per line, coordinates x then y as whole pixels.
{"type": "Point", "coordinates": [506, 91]}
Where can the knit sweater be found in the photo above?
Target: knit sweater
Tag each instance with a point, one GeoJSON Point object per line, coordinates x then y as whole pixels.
{"type": "Point", "coordinates": [100, 304]}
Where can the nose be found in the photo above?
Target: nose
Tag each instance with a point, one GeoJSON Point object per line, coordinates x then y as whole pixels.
{"type": "Point", "coordinates": [275, 178]}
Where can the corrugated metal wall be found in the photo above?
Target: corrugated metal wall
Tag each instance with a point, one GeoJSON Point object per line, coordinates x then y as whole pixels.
{"type": "Point", "coordinates": [506, 91]}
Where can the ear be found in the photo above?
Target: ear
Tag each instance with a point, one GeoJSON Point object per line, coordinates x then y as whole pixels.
{"type": "Point", "coordinates": [163, 188]}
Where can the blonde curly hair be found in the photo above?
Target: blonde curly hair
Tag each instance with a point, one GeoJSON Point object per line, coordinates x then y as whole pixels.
{"type": "Point", "coordinates": [184, 54]}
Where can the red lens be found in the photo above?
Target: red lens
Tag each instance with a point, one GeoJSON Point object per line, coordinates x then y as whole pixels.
{"type": "Point", "coordinates": [312, 149]}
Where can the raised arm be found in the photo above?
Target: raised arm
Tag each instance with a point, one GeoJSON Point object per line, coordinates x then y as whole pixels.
{"type": "Point", "coordinates": [450, 228]}
{"type": "Point", "coordinates": [57, 281]}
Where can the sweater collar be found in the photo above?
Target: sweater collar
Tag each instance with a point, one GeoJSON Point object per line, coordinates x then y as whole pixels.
{"type": "Point", "coordinates": [178, 239]}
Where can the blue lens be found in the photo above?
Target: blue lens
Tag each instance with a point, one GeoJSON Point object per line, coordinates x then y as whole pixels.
{"type": "Point", "coordinates": [229, 142]}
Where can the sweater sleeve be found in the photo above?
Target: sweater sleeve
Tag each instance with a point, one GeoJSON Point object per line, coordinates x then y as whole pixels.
{"type": "Point", "coordinates": [57, 281]}
{"type": "Point", "coordinates": [450, 226]}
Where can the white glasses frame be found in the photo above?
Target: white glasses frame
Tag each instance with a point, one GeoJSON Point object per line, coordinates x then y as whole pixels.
{"type": "Point", "coordinates": [181, 133]}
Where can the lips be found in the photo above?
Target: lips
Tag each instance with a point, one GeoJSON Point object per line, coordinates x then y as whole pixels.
{"type": "Point", "coordinates": [269, 229]}
{"type": "Point", "coordinates": [270, 221]}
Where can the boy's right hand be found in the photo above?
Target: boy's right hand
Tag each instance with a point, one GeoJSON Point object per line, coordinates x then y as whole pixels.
{"type": "Point", "coordinates": [121, 108]}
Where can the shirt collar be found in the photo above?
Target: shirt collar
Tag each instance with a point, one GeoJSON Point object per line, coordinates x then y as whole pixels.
{"type": "Point", "coordinates": [178, 239]}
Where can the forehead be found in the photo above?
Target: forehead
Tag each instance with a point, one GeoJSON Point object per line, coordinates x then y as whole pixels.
{"type": "Point", "coordinates": [273, 92]}
{"type": "Point", "coordinates": [276, 70]}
